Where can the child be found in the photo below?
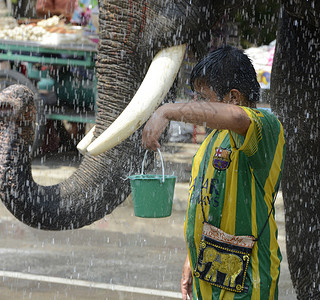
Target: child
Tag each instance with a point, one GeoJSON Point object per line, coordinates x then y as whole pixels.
{"type": "Point", "coordinates": [235, 176]}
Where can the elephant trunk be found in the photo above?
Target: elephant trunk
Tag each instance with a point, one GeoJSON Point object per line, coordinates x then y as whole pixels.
{"type": "Point", "coordinates": [78, 201]}
{"type": "Point", "coordinates": [99, 185]}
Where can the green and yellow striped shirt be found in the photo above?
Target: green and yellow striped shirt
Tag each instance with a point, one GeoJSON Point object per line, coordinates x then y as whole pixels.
{"type": "Point", "coordinates": [234, 179]}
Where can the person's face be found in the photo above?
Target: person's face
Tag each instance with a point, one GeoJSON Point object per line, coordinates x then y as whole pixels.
{"type": "Point", "coordinates": [205, 92]}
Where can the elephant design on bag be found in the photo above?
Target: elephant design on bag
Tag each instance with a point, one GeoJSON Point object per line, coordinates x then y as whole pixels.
{"type": "Point", "coordinates": [229, 264]}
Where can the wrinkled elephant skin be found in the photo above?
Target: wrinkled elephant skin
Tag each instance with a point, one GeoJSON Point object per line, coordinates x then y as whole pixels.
{"type": "Point", "coordinates": [295, 89]}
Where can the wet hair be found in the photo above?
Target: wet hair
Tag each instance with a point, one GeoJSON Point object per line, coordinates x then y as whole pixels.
{"type": "Point", "coordinates": [227, 68]}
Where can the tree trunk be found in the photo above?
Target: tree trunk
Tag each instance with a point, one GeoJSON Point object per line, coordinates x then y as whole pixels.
{"type": "Point", "coordinates": [295, 97]}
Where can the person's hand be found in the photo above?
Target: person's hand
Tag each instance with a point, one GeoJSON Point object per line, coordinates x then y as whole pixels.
{"type": "Point", "coordinates": [153, 130]}
{"type": "Point", "coordinates": [186, 281]}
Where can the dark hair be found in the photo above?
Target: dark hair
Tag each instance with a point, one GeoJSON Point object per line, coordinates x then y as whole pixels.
{"type": "Point", "coordinates": [228, 68]}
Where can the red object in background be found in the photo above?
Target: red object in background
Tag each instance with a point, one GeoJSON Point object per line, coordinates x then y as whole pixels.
{"type": "Point", "coordinates": [49, 8]}
{"type": "Point", "coordinates": [23, 69]}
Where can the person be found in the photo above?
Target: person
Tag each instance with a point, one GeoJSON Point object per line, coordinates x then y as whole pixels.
{"type": "Point", "coordinates": [49, 8]}
{"type": "Point", "coordinates": [235, 175]}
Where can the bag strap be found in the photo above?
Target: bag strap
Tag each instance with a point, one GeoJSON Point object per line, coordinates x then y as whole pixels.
{"type": "Point", "coordinates": [265, 224]}
{"type": "Point", "coordinates": [202, 178]}
{"type": "Point", "coordinates": [203, 175]}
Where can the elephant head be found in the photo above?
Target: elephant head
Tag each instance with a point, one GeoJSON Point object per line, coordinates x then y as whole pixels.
{"type": "Point", "coordinates": [131, 34]}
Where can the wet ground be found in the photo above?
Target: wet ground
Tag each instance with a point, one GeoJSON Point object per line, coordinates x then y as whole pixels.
{"type": "Point", "coordinates": [118, 257]}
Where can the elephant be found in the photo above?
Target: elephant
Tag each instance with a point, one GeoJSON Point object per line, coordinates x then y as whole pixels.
{"type": "Point", "coordinates": [132, 32]}
{"type": "Point", "coordinates": [229, 264]}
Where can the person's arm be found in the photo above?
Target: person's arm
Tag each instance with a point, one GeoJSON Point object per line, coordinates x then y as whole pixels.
{"type": "Point", "coordinates": [186, 280]}
{"type": "Point", "coordinates": [214, 115]}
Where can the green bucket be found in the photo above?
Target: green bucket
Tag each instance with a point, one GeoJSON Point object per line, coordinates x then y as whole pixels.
{"type": "Point", "coordinates": [152, 194]}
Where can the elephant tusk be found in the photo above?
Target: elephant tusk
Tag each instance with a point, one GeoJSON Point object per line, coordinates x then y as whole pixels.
{"type": "Point", "coordinates": [85, 142]}
{"type": "Point", "coordinates": [155, 86]}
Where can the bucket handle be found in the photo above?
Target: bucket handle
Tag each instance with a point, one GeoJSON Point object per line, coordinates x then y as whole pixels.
{"type": "Point", "coordinates": [144, 158]}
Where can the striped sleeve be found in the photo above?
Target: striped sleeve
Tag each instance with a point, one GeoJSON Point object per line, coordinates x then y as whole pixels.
{"type": "Point", "coordinates": [262, 133]}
